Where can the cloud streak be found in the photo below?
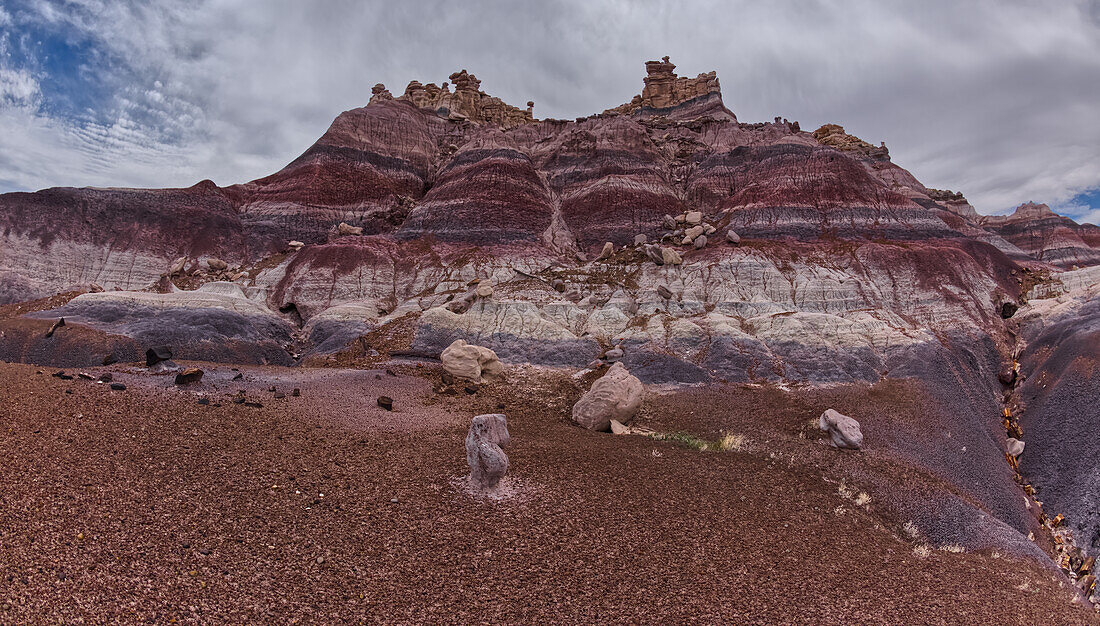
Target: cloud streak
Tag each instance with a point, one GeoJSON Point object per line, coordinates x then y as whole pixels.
{"type": "Point", "coordinates": [997, 100]}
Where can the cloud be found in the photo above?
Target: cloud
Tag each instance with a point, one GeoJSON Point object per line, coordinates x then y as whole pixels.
{"type": "Point", "coordinates": [994, 99]}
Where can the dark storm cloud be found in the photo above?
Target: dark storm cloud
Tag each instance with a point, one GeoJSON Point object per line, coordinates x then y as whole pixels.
{"type": "Point", "coordinates": [998, 100]}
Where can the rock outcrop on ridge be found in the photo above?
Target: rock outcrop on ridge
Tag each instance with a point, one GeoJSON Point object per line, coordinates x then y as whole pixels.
{"type": "Point", "coordinates": [825, 263]}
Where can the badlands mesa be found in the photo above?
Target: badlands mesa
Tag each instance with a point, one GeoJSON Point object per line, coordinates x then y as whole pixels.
{"type": "Point", "coordinates": [455, 362]}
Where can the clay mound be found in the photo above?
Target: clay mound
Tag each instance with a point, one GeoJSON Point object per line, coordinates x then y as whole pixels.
{"type": "Point", "coordinates": [485, 195]}
{"type": "Point", "coordinates": [612, 182]}
{"type": "Point", "coordinates": [1057, 404]}
{"type": "Point", "coordinates": [364, 170]}
{"type": "Point", "coordinates": [216, 323]}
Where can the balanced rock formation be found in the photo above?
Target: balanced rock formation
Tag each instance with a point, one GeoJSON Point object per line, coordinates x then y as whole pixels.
{"type": "Point", "coordinates": [664, 89]}
{"type": "Point", "coordinates": [616, 395]}
{"type": "Point", "coordinates": [470, 362]}
{"type": "Point", "coordinates": [488, 462]}
{"type": "Point", "coordinates": [843, 430]}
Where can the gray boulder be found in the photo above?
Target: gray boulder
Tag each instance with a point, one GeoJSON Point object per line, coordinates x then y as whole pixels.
{"type": "Point", "coordinates": [654, 254]}
{"type": "Point", "coordinates": [487, 461]}
{"type": "Point", "coordinates": [1014, 447]}
{"type": "Point", "coordinates": [844, 430]}
{"type": "Point", "coordinates": [617, 395]}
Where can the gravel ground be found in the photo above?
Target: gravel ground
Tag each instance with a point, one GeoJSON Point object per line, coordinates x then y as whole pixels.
{"type": "Point", "coordinates": [144, 506]}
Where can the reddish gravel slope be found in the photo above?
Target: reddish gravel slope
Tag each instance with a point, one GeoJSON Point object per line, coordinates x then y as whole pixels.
{"type": "Point", "coordinates": [142, 505]}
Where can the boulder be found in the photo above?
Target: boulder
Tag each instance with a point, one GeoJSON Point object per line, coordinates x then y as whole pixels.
{"type": "Point", "coordinates": [188, 376]}
{"type": "Point", "coordinates": [1007, 375]}
{"type": "Point", "coordinates": [615, 396]}
{"type": "Point", "coordinates": [709, 229]}
{"type": "Point", "coordinates": [1008, 309]}
{"type": "Point", "coordinates": [671, 257]}
{"type": "Point", "coordinates": [669, 222]}
{"type": "Point", "coordinates": [693, 217]}
{"type": "Point", "coordinates": [608, 250]}
{"type": "Point", "coordinates": [487, 461]}
{"type": "Point", "coordinates": [640, 239]}
{"type": "Point", "coordinates": [470, 362]}
{"type": "Point", "coordinates": [484, 289]}
{"type": "Point", "coordinates": [295, 245]}
{"type": "Point", "coordinates": [156, 354]}
{"type": "Point", "coordinates": [700, 242]}
{"type": "Point", "coordinates": [693, 232]}
{"type": "Point", "coordinates": [558, 285]}
{"type": "Point", "coordinates": [732, 237]}
{"type": "Point", "coordinates": [654, 253]}
{"type": "Point", "coordinates": [614, 354]}
{"type": "Point", "coordinates": [344, 229]}
{"type": "Point", "coordinates": [177, 266]}
{"type": "Point", "coordinates": [216, 265]}
{"type": "Point", "coordinates": [844, 430]}
{"type": "Point", "coordinates": [1014, 447]}
{"type": "Point", "coordinates": [385, 402]}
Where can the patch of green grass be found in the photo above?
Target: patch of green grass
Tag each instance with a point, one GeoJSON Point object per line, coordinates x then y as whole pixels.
{"type": "Point", "coordinates": [685, 440]}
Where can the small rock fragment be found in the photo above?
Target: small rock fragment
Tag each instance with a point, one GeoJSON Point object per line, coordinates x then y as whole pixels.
{"type": "Point", "coordinates": [484, 290]}
{"type": "Point", "coordinates": [664, 292]}
{"type": "Point", "coordinates": [732, 237]}
{"type": "Point", "coordinates": [385, 402]}
{"type": "Point", "coordinates": [296, 392]}
{"type": "Point", "coordinates": [1007, 375]}
{"type": "Point", "coordinates": [639, 239]}
{"type": "Point", "coordinates": [1014, 447]}
{"type": "Point", "coordinates": [669, 222]}
{"type": "Point", "coordinates": [118, 386]}
{"type": "Point", "coordinates": [216, 264]}
{"type": "Point", "coordinates": [613, 354]}
{"type": "Point", "coordinates": [618, 428]}
{"type": "Point", "coordinates": [58, 324]}
{"type": "Point", "coordinates": [558, 285]}
{"type": "Point", "coordinates": [110, 359]}
{"type": "Point", "coordinates": [671, 257]}
{"type": "Point", "coordinates": [106, 377]}
{"type": "Point", "coordinates": [608, 250]}
{"type": "Point", "coordinates": [700, 242]}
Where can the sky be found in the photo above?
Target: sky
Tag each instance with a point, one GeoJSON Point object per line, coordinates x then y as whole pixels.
{"type": "Point", "coordinates": [999, 100]}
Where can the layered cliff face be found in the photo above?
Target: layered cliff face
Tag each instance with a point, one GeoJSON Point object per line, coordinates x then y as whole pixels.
{"type": "Point", "coordinates": [782, 257]}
